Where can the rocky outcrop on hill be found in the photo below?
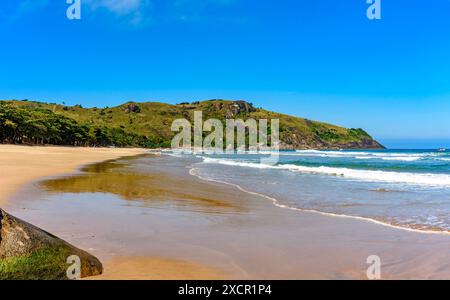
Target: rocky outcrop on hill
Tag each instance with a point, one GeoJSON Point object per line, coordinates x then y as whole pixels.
{"type": "Point", "coordinates": [296, 142]}
{"type": "Point", "coordinates": [238, 107]}
{"type": "Point", "coordinates": [28, 252]}
{"type": "Point", "coordinates": [132, 108]}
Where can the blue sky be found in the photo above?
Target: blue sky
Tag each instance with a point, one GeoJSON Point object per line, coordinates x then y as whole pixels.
{"type": "Point", "coordinates": [320, 59]}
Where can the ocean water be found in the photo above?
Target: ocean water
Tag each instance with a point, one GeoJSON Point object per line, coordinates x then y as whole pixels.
{"type": "Point", "coordinates": [409, 189]}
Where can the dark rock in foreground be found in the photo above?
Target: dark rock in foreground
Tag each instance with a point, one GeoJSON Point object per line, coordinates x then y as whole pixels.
{"type": "Point", "coordinates": [28, 252]}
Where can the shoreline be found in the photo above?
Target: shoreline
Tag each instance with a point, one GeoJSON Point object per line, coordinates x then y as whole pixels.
{"type": "Point", "coordinates": [276, 203]}
{"type": "Point", "coordinates": [193, 253]}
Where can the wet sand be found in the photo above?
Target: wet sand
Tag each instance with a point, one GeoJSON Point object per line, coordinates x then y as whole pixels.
{"type": "Point", "coordinates": [21, 164]}
{"type": "Point", "coordinates": [148, 218]}
{"type": "Point", "coordinates": [155, 268]}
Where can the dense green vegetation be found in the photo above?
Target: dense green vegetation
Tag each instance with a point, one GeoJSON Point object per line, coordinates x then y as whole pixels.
{"type": "Point", "coordinates": [149, 124]}
{"type": "Point", "coordinates": [43, 264]}
{"type": "Point", "coordinates": [37, 125]}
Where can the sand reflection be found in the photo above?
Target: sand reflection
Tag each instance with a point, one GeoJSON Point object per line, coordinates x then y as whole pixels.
{"type": "Point", "coordinates": [156, 189]}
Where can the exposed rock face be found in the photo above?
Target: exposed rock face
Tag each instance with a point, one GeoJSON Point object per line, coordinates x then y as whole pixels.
{"type": "Point", "coordinates": [21, 240]}
{"type": "Point", "coordinates": [294, 142]}
{"type": "Point", "coordinates": [132, 108]}
{"type": "Point", "coordinates": [238, 107]}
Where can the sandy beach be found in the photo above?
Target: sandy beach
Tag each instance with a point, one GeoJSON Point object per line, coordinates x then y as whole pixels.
{"type": "Point", "coordinates": [21, 165]}
{"type": "Point", "coordinates": [148, 218]}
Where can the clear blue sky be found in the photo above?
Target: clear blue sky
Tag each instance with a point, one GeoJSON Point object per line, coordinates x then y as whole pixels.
{"type": "Point", "coordinates": [320, 59]}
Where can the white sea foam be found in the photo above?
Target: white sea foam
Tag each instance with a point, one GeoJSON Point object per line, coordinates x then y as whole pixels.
{"type": "Point", "coordinates": [402, 158]}
{"type": "Point", "coordinates": [360, 155]}
{"type": "Point", "coordinates": [276, 202]}
{"type": "Point", "coordinates": [427, 179]}
{"type": "Point", "coordinates": [337, 153]}
{"type": "Point", "coordinates": [391, 158]}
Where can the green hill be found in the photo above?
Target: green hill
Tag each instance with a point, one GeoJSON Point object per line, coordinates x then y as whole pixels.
{"type": "Point", "coordinates": [149, 125]}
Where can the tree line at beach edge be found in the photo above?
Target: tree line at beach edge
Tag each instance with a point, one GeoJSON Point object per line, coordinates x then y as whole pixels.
{"type": "Point", "coordinates": [40, 126]}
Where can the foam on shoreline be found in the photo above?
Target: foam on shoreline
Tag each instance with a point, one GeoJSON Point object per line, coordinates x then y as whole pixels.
{"type": "Point", "coordinates": [193, 171]}
{"type": "Point", "coordinates": [427, 179]}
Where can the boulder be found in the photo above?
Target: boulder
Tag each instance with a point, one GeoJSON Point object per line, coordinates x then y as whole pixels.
{"type": "Point", "coordinates": [238, 107]}
{"type": "Point", "coordinates": [28, 252]}
{"type": "Point", "coordinates": [132, 108]}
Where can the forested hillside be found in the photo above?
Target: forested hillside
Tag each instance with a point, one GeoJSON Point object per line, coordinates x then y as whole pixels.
{"type": "Point", "coordinates": [149, 125]}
